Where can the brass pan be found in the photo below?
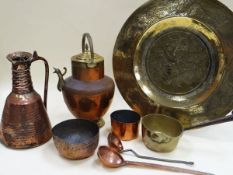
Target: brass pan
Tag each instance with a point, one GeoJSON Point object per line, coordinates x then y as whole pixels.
{"type": "Point", "coordinates": [176, 58]}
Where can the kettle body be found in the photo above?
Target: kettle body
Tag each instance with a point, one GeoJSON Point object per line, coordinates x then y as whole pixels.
{"type": "Point", "coordinates": [87, 92]}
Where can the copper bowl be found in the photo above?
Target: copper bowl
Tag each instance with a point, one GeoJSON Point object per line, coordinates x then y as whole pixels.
{"type": "Point", "coordinates": [76, 139]}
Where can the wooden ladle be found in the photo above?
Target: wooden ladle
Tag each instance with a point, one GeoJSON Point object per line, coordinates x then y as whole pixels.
{"type": "Point", "coordinates": [115, 143]}
{"type": "Point", "coordinates": [113, 159]}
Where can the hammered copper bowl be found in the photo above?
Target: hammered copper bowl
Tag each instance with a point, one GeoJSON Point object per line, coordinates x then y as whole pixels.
{"type": "Point", "coordinates": [76, 139]}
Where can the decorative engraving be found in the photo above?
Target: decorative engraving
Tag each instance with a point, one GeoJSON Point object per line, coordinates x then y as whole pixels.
{"type": "Point", "coordinates": [178, 61]}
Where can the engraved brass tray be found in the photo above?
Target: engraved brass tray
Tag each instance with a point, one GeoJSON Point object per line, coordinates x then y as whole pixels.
{"type": "Point", "coordinates": [176, 58]}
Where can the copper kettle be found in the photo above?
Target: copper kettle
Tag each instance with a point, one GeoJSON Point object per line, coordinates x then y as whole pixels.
{"type": "Point", "coordinates": [25, 121]}
{"type": "Point", "coordinates": [88, 92]}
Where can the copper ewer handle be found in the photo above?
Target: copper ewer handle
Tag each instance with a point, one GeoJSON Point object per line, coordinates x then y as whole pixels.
{"type": "Point", "coordinates": [36, 58]}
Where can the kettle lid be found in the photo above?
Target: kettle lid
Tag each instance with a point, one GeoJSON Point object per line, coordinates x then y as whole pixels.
{"type": "Point", "coordinates": [88, 56]}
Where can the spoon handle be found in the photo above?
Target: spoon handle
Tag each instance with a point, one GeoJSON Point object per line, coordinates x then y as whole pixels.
{"type": "Point", "coordinates": [158, 159]}
{"type": "Point", "coordinates": [166, 168]}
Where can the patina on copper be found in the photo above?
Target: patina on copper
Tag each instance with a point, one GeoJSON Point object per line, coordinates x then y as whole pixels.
{"type": "Point", "coordinates": [125, 124]}
{"type": "Point", "coordinates": [25, 121]}
{"type": "Point", "coordinates": [175, 58]}
{"type": "Point", "coordinates": [88, 92]}
{"type": "Point", "coordinates": [76, 139]}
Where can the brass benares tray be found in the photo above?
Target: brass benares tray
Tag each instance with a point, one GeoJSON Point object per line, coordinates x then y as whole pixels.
{"type": "Point", "coordinates": [175, 57]}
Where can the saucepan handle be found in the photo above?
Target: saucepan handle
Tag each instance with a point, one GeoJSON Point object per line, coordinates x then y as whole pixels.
{"type": "Point", "coordinates": [228, 118]}
{"type": "Point", "coordinates": [36, 58]}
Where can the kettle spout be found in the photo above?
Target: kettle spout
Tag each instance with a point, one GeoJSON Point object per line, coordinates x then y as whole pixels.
{"type": "Point", "coordinates": [61, 81]}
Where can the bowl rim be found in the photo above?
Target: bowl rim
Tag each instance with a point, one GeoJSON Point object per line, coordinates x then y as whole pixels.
{"type": "Point", "coordinates": [136, 117]}
{"type": "Point", "coordinates": [163, 116]}
{"type": "Point", "coordinates": [57, 126]}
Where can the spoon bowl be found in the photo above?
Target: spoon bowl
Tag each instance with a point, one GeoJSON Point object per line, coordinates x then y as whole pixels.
{"type": "Point", "coordinates": [110, 158]}
{"type": "Point", "coordinates": [115, 143]}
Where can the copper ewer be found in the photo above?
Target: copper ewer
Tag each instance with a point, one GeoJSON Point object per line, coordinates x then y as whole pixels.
{"type": "Point", "coordinates": [88, 92]}
{"type": "Point", "coordinates": [25, 121]}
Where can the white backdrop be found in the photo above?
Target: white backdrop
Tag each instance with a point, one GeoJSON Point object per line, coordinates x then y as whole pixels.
{"type": "Point", "coordinates": [54, 28]}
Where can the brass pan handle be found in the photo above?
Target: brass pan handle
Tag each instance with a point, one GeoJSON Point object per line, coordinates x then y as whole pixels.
{"type": "Point", "coordinates": [228, 118]}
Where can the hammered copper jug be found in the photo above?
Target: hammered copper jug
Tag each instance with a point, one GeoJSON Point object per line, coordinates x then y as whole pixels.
{"type": "Point", "coordinates": [25, 121]}
{"type": "Point", "coordinates": [88, 92]}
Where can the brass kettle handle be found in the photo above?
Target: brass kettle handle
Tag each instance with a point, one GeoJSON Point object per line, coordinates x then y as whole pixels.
{"type": "Point", "coordinates": [88, 46]}
{"type": "Point", "coordinates": [36, 58]}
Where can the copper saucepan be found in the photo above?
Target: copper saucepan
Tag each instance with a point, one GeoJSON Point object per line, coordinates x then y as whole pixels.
{"type": "Point", "coordinates": [125, 124]}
